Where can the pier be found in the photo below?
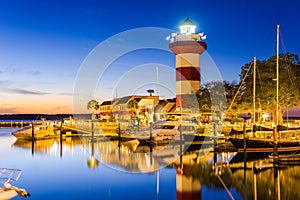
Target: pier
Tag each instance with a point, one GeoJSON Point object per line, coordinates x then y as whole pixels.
{"type": "Point", "coordinates": [15, 124]}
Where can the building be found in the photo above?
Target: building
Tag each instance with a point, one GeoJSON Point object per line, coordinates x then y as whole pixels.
{"type": "Point", "coordinates": [105, 109]}
{"type": "Point", "coordinates": [139, 109]}
{"type": "Point", "coordinates": [164, 107]}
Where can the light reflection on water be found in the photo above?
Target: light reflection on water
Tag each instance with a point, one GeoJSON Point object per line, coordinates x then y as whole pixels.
{"type": "Point", "coordinates": [54, 171]}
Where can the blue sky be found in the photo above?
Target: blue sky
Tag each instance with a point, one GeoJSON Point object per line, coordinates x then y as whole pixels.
{"type": "Point", "coordinates": [44, 43]}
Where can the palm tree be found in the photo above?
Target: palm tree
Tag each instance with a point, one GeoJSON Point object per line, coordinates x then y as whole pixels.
{"type": "Point", "coordinates": [150, 91]}
{"type": "Point", "coordinates": [93, 105]}
{"type": "Point", "coordinates": [133, 104]}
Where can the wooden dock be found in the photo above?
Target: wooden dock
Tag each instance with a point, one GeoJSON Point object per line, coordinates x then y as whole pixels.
{"type": "Point", "coordinates": [14, 124]}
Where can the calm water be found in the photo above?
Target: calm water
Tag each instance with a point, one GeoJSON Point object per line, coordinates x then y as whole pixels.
{"type": "Point", "coordinates": [54, 171]}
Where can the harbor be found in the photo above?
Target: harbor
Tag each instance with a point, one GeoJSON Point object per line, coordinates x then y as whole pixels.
{"type": "Point", "coordinates": [229, 172]}
{"type": "Point", "coordinates": [149, 100]}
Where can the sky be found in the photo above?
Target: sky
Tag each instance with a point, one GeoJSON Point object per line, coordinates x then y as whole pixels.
{"type": "Point", "coordinates": [44, 45]}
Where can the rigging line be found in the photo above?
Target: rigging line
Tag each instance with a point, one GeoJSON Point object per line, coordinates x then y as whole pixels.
{"type": "Point", "coordinates": [227, 190]}
{"type": "Point", "coordinates": [291, 78]}
{"type": "Point", "coordinates": [288, 66]}
{"type": "Point", "coordinates": [282, 43]}
{"type": "Point", "coordinates": [240, 86]}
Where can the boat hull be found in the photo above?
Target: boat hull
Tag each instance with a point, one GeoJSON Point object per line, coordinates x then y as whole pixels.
{"type": "Point", "coordinates": [263, 146]}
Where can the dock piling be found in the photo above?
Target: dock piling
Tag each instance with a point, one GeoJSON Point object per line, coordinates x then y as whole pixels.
{"type": "Point", "coordinates": [32, 131]}
{"type": "Point", "coordinates": [151, 127]}
{"type": "Point", "coordinates": [119, 135]}
{"type": "Point", "coordinates": [244, 137]}
{"type": "Point", "coordinates": [275, 143]}
{"type": "Point", "coordinates": [215, 134]}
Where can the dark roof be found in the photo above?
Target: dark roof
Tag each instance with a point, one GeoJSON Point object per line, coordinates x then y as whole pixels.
{"type": "Point", "coordinates": [137, 99]}
{"type": "Point", "coordinates": [105, 103]}
{"type": "Point", "coordinates": [187, 22]}
{"type": "Point", "coordinates": [123, 100]}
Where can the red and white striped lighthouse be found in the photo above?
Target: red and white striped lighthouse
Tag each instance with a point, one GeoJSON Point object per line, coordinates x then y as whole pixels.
{"type": "Point", "coordinates": [187, 46]}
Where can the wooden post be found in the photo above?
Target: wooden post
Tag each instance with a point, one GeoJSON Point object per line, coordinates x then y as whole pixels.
{"type": "Point", "coordinates": [244, 137]}
{"type": "Point", "coordinates": [276, 183]}
{"type": "Point", "coordinates": [32, 147]}
{"type": "Point", "coordinates": [254, 182]}
{"type": "Point", "coordinates": [119, 135]}
{"type": "Point", "coordinates": [60, 139]}
{"type": "Point", "coordinates": [215, 133]}
{"type": "Point", "coordinates": [275, 143]}
{"type": "Point", "coordinates": [151, 129]}
{"type": "Point", "coordinates": [32, 131]}
{"type": "Point", "coordinates": [245, 151]}
{"type": "Point", "coordinates": [180, 133]}
{"type": "Point", "coordinates": [181, 143]}
{"type": "Point", "coordinates": [92, 130]}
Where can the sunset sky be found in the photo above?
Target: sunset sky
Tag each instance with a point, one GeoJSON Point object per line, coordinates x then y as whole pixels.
{"type": "Point", "coordinates": [43, 44]}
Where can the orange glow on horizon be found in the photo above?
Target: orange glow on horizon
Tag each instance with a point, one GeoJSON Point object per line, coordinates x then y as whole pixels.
{"type": "Point", "coordinates": [46, 104]}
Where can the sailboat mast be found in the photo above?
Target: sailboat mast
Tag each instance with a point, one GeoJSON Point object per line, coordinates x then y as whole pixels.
{"type": "Point", "coordinates": [254, 84]}
{"type": "Point", "coordinates": [157, 81]}
{"type": "Point", "coordinates": [277, 75]}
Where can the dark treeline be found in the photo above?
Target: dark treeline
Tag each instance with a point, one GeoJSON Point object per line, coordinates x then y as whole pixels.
{"type": "Point", "coordinates": [39, 116]}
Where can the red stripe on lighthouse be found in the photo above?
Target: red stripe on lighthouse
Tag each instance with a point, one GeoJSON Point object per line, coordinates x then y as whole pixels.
{"type": "Point", "coordinates": [187, 73]}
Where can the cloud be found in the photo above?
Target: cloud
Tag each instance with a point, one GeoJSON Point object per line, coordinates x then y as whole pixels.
{"type": "Point", "coordinates": [6, 110]}
{"type": "Point", "coordinates": [66, 94]}
{"type": "Point", "coordinates": [25, 92]}
{"type": "Point", "coordinates": [36, 72]}
{"type": "Point", "coordinates": [8, 70]}
{"type": "Point", "coordinates": [4, 82]}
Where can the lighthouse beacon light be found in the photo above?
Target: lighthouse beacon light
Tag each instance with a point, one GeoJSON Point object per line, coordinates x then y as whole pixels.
{"type": "Point", "coordinates": [187, 32]}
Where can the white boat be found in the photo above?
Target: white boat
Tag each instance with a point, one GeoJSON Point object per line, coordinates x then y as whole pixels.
{"type": "Point", "coordinates": [166, 131]}
{"type": "Point", "coordinates": [7, 191]}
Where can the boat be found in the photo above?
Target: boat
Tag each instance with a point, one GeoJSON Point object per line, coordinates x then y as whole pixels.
{"type": "Point", "coordinates": [264, 139]}
{"type": "Point", "coordinates": [8, 191]}
{"type": "Point", "coordinates": [164, 131]}
{"type": "Point", "coordinates": [36, 132]}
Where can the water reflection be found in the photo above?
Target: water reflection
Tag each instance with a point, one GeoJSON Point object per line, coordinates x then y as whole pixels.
{"type": "Point", "coordinates": [198, 172]}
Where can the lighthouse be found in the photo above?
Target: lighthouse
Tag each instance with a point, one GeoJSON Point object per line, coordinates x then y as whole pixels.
{"type": "Point", "coordinates": [187, 46]}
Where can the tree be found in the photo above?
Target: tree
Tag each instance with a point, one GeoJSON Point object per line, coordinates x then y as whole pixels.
{"type": "Point", "coordinates": [93, 105]}
{"type": "Point", "coordinates": [150, 91]}
{"type": "Point", "coordinates": [289, 83]}
{"type": "Point", "coordinates": [133, 104]}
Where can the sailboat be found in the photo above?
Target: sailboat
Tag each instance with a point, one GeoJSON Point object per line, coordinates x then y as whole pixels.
{"type": "Point", "coordinates": [267, 145]}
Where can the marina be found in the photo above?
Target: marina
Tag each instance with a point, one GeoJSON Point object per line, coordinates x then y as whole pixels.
{"type": "Point", "coordinates": [104, 100]}
{"type": "Point", "coordinates": [229, 172]}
